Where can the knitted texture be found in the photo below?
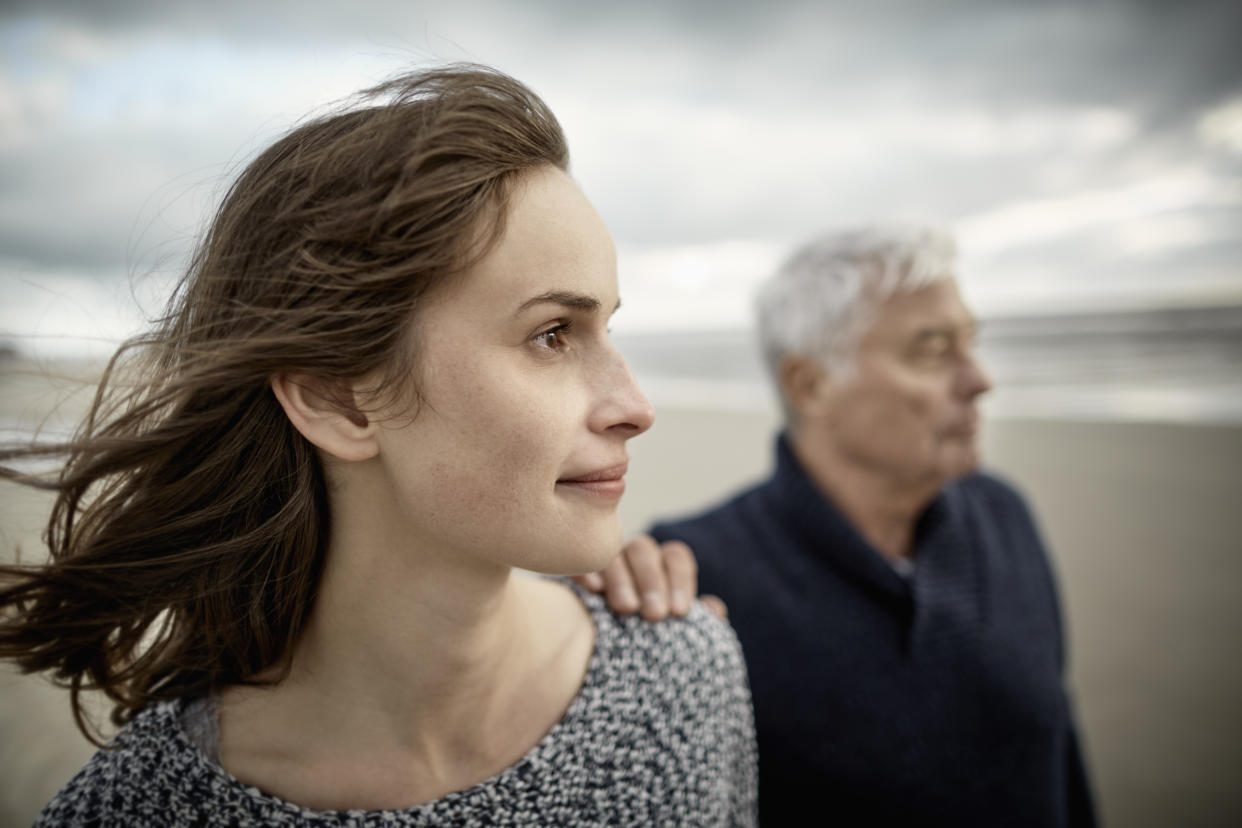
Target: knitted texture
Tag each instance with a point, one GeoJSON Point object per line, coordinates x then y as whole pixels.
{"type": "Point", "coordinates": [661, 733]}
{"type": "Point", "coordinates": [930, 698]}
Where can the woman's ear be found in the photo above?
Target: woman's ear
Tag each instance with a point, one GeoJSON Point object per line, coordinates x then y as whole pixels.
{"type": "Point", "coordinates": [805, 385]}
{"type": "Point", "coordinates": [326, 414]}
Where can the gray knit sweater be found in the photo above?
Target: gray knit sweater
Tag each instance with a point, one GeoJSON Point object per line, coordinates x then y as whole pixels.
{"type": "Point", "coordinates": [661, 733]}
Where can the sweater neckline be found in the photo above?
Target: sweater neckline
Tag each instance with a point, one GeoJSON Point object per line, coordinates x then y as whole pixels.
{"type": "Point", "coordinates": [793, 496]}
{"type": "Point", "coordinates": [945, 558]}
{"type": "Point", "coordinates": [542, 754]}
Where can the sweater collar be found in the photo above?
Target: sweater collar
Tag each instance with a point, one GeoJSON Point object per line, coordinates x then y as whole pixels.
{"type": "Point", "coordinates": [822, 528]}
{"type": "Point", "coordinates": [944, 556]}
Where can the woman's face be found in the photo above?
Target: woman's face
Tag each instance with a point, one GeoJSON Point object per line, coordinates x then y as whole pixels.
{"type": "Point", "coordinates": [517, 450]}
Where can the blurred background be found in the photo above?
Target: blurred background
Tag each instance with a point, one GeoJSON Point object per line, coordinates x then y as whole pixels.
{"type": "Point", "coordinates": [1088, 155]}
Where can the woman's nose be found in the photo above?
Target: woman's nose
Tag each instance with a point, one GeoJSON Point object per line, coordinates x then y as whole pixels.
{"type": "Point", "coordinates": [623, 407]}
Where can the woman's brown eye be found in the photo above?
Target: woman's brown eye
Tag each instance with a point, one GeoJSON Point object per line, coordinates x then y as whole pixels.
{"type": "Point", "coordinates": [552, 339]}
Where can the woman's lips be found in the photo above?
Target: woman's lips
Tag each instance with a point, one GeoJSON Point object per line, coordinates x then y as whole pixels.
{"type": "Point", "coordinates": [609, 482]}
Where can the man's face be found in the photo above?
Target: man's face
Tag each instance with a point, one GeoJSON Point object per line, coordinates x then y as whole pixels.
{"type": "Point", "coordinates": [908, 412]}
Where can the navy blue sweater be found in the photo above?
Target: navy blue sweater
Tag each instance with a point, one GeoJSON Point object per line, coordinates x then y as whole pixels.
{"type": "Point", "coordinates": [929, 699]}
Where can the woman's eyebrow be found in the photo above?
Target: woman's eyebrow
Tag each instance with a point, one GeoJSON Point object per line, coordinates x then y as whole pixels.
{"type": "Point", "coordinates": [565, 298]}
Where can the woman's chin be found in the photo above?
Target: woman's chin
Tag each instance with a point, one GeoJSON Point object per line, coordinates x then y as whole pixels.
{"type": "Point", "coordinates": [587, 552]}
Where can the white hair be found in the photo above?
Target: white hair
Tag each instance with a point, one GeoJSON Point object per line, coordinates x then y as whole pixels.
{"type": "Point", "coordinates": [821, 300]}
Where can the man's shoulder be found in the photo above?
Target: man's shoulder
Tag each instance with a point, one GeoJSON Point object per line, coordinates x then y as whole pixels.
{"type": "Point", "coordinates": [989, 488]}
{"type": "Point", "coordinates": [999, 511]}
{"type": "Point", "coordinates": [722, 519]}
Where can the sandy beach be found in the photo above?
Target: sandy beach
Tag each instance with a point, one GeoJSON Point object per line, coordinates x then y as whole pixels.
{"type": "Point", "coordinates": [1144, 524]}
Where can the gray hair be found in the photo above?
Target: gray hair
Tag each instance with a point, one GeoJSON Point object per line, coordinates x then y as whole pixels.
{"type": "Point", "coordinates": [821, 300]}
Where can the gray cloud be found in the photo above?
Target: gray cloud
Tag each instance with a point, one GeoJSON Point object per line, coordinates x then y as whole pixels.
{"type": "Point", "coordinates": [691, 122]}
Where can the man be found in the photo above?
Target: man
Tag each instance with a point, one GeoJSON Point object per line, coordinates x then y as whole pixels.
{"type": "Point", "coordinates": [895, 606]}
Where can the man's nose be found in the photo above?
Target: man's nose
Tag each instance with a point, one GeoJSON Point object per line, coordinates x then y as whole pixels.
{"type": "Point", "coordinates": [973, 379]}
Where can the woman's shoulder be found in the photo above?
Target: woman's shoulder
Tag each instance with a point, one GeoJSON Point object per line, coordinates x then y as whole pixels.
{"type": "Point", "coordinates": [698, 649]}
{"type": "Point", "coordinates": [153, 775]}
{"type": "Point", "coordinates": [142, 777]}
{"type": "Point", "coordinates": [670, 701]}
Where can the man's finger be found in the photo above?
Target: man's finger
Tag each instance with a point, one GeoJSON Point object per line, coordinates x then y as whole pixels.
{"type": "Point", "coordinates": [682, 573]}
{"type": "Point", "coordinates": [717, 606]}
{"type": "Point", "coordinates": [619, 587]}
{"type": "Point", "coordinates": [646, 562]}
{"type": "Point", "coordinates": [591, 581]}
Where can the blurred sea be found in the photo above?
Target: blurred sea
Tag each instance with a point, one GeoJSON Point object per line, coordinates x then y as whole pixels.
{"type": "Point", "coordinates": [1167, 365]}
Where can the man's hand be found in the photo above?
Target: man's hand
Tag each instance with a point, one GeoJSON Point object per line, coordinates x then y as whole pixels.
{"type": "Point", "coordinates": [656, 578]}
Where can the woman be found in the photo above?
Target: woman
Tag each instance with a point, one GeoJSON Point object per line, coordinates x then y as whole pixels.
{"type": "Point", "coordinates": [284, 542]}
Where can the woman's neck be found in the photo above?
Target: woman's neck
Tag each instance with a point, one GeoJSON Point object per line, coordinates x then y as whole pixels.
{"type": "Point", "coordinates": [415, 665]}
{"type": "Point", "coordinates": [415, 652]}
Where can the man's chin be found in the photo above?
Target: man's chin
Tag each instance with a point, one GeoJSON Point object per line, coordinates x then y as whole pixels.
{"type": "Point", "coordinates": [962, 460]}
{"type": "Point", "coordinates": [970, 464]}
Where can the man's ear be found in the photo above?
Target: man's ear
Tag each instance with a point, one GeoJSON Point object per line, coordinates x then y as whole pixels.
{"type": "Point", "coordinates": [325, 413]}
{"type": "Point", "coordinates": [805, 385]}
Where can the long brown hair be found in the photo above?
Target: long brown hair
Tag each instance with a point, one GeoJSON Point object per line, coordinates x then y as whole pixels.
{"type": "Point", "coordinates": [187, 537]}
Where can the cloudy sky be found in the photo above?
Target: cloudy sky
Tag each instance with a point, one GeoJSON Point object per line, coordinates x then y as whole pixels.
{"type": "Point", "coordinates": [1088, 154]}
